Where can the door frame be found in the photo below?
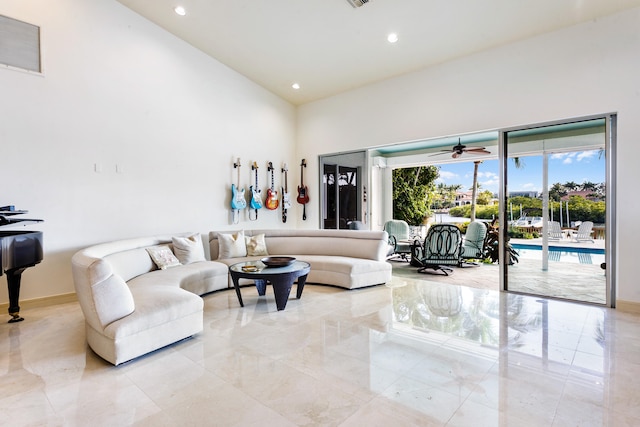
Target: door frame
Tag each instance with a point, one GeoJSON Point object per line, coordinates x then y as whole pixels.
{"type": "Point", "coordinates": [610, 197]}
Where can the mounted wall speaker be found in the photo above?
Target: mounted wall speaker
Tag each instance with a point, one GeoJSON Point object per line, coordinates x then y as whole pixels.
{"type": "Point", "coordinates": [357, 3]}
{"type": "Point", "coordinates": [19, 45]}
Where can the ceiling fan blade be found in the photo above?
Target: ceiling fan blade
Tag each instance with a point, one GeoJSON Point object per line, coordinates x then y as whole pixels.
{"type": "Point", "coordinates": [475, 149]}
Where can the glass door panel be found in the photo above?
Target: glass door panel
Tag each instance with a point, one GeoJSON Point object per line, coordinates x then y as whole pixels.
{"type": "Point", "coordinates": [556, 211]}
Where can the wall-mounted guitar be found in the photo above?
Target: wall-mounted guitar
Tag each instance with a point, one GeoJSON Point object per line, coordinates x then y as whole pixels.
{"type": "Point", "coordinates": [256, 198]}
{"type": "Point", "coordinates": [286, 200]}
{"type": "Point", "coordinates": [303, 192]}
{"type": "Point", "coordinates": [238, 201]}
{"type": "Point", "coordinates": [272, 201]}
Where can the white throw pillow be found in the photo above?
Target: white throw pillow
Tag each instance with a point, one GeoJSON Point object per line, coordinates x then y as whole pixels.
{"type": "Point", "coordinates": [188, 249]}
{"type": "Point", "coordinates": [231, 245]}
{"type": "Point", "coordinates": [163, 257]}
{"type": "Point", "coordinates": [256, 246]}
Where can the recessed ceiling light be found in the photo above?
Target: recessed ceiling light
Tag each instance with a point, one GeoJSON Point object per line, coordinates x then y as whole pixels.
{"type": "Point", "coordinates": [392, 38]}
{"type": "Point", "coordinates": [296, 86]}
{"type": "Point", "coordinates": [180, 10]}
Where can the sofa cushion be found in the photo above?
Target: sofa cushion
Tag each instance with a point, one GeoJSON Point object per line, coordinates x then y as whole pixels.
{"type": "Point", "coordinates": [112, 299]}
{"type": "Point", "coordinates": [188, 249]}
{"type": "Point", "coordinates": [232, 245]}
{"type": "Point", "coordinates": [256, 246]}
{"type": "Point", "coordinates": [198, 277]}
{"type": "Point", "coordinates": [163, 256]}
{"type": "Point", "coordinates": [155, 306]}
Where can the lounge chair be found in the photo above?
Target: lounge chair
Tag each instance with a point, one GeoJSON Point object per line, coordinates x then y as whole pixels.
{"type": "Point", "coordinates": [584, 232]}
{"type": "Point", "coordinates": [399, 240]}
{"type": "Point", "coordinates": [555, 232]}
{"type": "Point", "coordinates": [473, 245]}
{"type": "Point", "coordinates": [441, 248]}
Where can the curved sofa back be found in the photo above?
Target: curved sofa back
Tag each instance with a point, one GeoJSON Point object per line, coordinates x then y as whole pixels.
{"type": "Point", "coordinates": [349, 243]}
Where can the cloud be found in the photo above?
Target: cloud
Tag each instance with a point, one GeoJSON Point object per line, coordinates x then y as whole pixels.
{"type": "Point", "coordinates": [446, 176]}
{"type": "Point", "coordinates": [529, 186]}
{"type": "Point", "coordinates": [491, 184]}
{"type": "Point", "coordinates": [587, 155]}
{"type": "Point", "coordinates": [488, 175]}
{"type": "Point", "coordinates": [578, 156]}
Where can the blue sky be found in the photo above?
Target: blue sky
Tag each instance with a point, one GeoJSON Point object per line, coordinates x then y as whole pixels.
{"type": "Point", "coordinates": [579, 166]}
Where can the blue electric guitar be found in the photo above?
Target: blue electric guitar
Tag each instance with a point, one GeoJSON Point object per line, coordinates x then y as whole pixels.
{"type": "Point", "coordinates": [256, 198]}
{"type": "Point", "coordinates": [238, 201]}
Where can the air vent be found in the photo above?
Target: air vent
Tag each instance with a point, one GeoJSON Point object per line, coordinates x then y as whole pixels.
{"type": "Point", "coordinates": [357, 3]}
{"type": "Point", "coordinates": [19, 45]}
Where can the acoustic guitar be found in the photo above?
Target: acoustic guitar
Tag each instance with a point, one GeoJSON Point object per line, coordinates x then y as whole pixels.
{"type": "Point", "coordinates": [303, 192]}
{"type": "Point", "coordinates": [256, 198]}
{"type": "Point", "coordinates": [272, 201]}
{"type": "Point", "coordinates": [286, 199]}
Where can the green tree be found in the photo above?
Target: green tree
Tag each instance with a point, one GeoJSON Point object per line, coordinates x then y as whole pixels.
{"type": "Point", "coordinates": [571, 186]}
{"type": "Point", "coordinates": [413, 191]}
{"type": "Point", "coordinates": [557, 192]}
{"type": "Point", "coordinates": [445, 195]}
{"type": "Point", "coordinates": [484, 198]}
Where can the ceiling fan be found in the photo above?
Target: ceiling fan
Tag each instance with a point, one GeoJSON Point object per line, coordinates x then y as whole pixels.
{"type": "Point", "coordinates": [457, 150]}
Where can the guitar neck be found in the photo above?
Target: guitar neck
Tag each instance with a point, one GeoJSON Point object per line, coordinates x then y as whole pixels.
{"type": "Point", "coordinates": [237, 166]}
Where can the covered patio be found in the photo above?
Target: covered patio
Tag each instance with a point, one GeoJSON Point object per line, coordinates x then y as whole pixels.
{"type": "Point", "coordinates": [573, 273]}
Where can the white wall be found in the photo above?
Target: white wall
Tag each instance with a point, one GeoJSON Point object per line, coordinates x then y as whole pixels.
{"type": "Point", "coordinates": [118, 90]}
{"type": "Point", "coordinates": [588, 69]}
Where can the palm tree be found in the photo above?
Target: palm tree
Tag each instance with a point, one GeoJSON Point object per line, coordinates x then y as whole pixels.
{"type": "Point", "coordinates": [474, 190]}
{"type": "Point", "coordinates": [571, 186]}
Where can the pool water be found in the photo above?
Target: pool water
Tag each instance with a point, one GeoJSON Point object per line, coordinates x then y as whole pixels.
{"type": "Point", "coordinates": [561, 254]}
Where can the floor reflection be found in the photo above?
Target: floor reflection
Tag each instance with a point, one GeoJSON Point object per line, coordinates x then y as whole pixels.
{"type": "Point", "coordinates": [544, 329]}
{"type": "Point", "coordinates": [414, 352]}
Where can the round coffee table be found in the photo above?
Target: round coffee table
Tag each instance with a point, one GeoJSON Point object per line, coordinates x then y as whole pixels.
{"type": "Point", "coordinates": [281, 278]}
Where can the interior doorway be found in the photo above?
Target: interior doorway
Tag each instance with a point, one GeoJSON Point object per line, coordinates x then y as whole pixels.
{"type": "Point", "coordinates": [343, 190]}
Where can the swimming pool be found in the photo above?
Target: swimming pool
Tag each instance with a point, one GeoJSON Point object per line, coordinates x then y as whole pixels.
{"type": "Point", "coordinates": [576, 255]}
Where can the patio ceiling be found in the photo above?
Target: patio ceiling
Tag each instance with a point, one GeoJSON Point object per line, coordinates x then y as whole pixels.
{"type": "Point", "coordinates": [579, 135]}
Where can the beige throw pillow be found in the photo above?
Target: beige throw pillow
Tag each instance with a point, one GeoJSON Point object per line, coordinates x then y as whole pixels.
{"type": "Point", "coordinates": [189, 249]}
{"type": "Point", "coordinates": [163, 257]}
{"type": "Point", "coordinates": [231, 245]}
{"type": "Point", "coordinates": [256, 246]}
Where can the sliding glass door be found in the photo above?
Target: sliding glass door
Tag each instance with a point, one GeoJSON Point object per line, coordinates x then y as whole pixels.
{"type": "Point", "coordinates": [556, 210]}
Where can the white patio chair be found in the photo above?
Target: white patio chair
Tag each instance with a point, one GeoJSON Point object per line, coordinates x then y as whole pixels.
{"type": "Point", "coordinates": [584, 232]}
{"type": "Point", "coordinates": [555, 231]}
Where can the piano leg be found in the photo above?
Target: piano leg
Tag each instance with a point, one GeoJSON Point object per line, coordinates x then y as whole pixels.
{"type": "Point", "coordinates": [13, 282]}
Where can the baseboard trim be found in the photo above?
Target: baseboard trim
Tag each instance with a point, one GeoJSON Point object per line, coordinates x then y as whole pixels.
{"type": "Point", "coordinates": [42, 302]}
{"type": "Point", "coordinates": [628, 306]}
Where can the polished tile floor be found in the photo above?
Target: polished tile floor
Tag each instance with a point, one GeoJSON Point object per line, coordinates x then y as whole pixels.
{"type": "Point", "coordinates": [411, 353]}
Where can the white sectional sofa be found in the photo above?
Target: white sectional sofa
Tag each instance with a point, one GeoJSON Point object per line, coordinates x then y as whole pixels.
{"type": "Point", "coordinates": [131, 307]}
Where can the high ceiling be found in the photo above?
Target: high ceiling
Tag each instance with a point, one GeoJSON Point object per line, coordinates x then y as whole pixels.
{"type": "Point", "coordinates": [328, 46]}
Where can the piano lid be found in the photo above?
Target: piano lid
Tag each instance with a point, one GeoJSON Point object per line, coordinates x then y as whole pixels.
{"type": "Point", "coordinates": [7, 213]}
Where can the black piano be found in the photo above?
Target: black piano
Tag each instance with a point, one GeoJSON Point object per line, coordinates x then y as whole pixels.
{"type": "Point", "coordinates": [19, 250]}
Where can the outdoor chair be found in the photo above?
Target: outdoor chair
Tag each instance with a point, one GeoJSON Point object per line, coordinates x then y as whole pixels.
{"type": "Point", "coordinates": [584, 233]}
{"type": "Point", "coordinates": [473, 244]}
{"type": "Point", "coordinates": [441, 248]}
{"type": "Point", "coordinates": [399, 243]}
{"type": "Point", "coordinates": [555, 231]}
{"type": "Point", "coordinates": [356, 225]}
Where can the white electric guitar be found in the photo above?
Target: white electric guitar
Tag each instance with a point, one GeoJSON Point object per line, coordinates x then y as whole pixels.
{"type": "Point", "coordinates": [286, 199]}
